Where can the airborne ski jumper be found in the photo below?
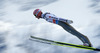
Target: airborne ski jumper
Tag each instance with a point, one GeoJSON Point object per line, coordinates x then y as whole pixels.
{"type": "Point", "coordinates": [65, 23]}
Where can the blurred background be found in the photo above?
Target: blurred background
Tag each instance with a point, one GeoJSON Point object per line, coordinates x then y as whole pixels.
{"type": "Point", "coordinates": [17, 23]}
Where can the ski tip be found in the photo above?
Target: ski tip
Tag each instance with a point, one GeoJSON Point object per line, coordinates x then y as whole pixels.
{"type": "Point", "coordinates": [97, 49]}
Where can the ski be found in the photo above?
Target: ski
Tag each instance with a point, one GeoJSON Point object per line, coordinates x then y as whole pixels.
{"type": "Point", "coordinates": [51, 42]}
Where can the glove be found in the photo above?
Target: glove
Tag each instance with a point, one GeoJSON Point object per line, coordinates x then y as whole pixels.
{"type": "Point", "coordinates": [69, 21]}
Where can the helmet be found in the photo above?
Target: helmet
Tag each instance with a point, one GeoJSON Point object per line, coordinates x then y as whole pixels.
{"type": "Point", "coordinates": [37, 13]}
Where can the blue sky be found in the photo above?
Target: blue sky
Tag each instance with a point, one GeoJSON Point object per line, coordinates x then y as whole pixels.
{"type": "Point", "coordinates": [17, 23]}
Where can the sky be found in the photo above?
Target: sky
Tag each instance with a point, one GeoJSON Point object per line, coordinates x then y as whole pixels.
{"type": "Point", "coordinates": [17, 23]}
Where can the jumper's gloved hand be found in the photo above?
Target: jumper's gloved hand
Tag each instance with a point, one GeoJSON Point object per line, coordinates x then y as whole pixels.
{"type": "Point", "coordinates": [69, 21]}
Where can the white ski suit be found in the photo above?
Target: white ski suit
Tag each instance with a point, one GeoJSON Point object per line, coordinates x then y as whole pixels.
{"type": "Point", "coordinates": [65, 23]}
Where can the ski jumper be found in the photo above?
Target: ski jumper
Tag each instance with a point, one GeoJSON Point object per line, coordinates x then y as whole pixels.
{"type": "Point", "coordinates": [63, 23]}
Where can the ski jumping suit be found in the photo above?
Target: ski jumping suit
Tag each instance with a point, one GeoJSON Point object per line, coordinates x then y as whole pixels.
{"type": "Point", "coordinates": [63, 23]}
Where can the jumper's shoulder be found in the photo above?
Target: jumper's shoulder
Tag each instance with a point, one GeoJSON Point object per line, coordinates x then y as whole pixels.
{"type": "Point", "coordinates": [45, 15]}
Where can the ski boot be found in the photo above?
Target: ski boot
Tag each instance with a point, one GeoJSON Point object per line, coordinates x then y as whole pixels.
{"type": "Point", "coordinates": [86, 44]}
